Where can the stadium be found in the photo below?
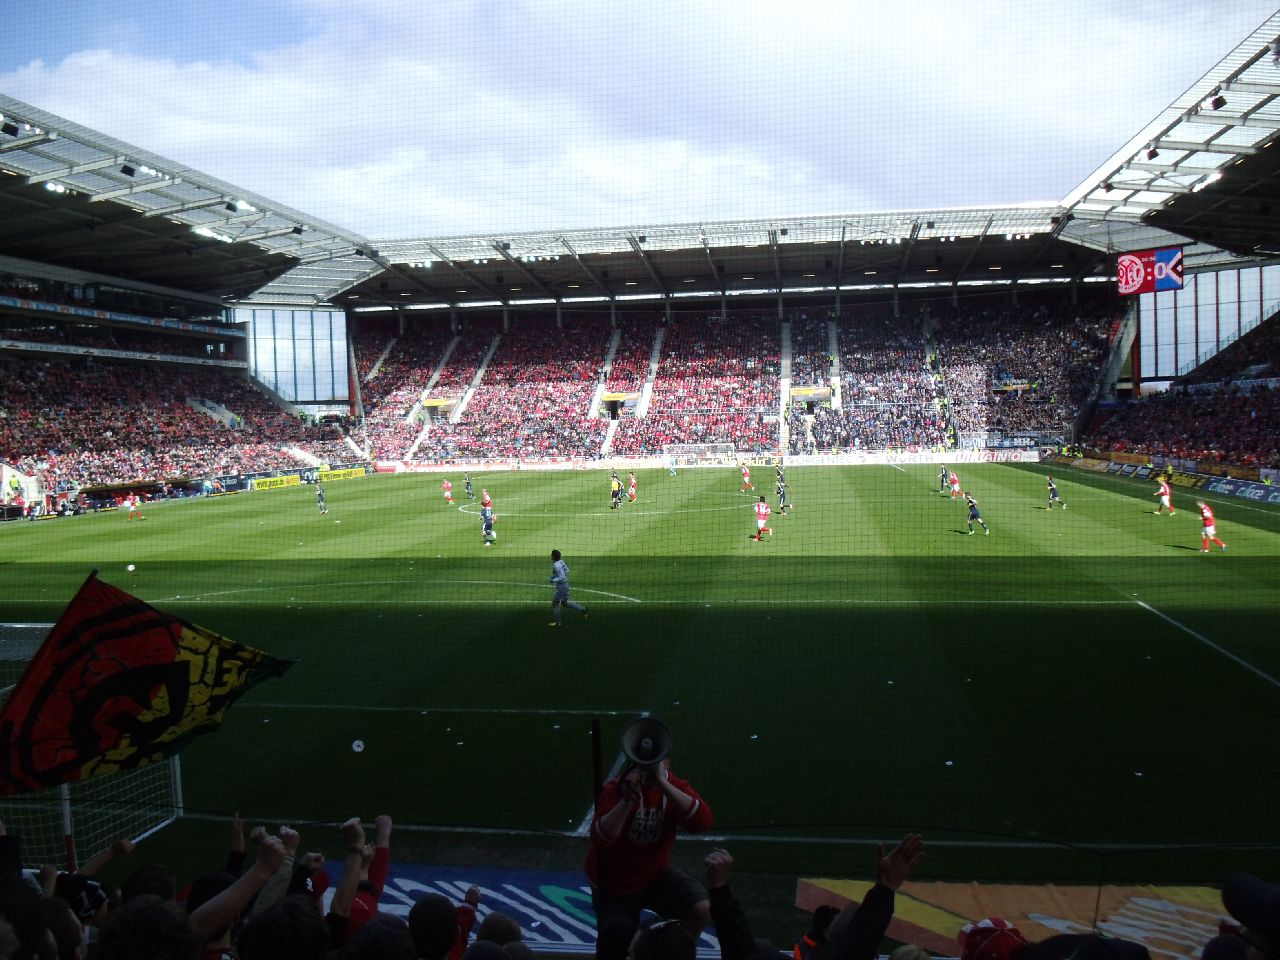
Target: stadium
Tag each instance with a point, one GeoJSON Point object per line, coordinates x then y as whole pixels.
{"type": "Point", "coordinates": [958, 521]}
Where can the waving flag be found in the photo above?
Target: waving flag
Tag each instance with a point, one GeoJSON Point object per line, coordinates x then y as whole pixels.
{"type": "Point", "coordinates": [116, 685]}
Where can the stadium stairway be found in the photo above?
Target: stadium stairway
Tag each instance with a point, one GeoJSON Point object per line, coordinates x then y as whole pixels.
{"type": "Point", "coordinates": [607, 446]}
{"type": "Point", "coordinates": [435, 376]}
{"type": "Point", "coordinates": [377, 364]}
{"type": "Point", "coordinates": [655, 356]}
{"type": "Point", "coordinates": [833, 348]}
{"type": "Point", "coordinates": [212, 409]}
{"type": "Point", "coordinates": [471, 390]}
{"type": "Point", "coordinates": [593, 408]}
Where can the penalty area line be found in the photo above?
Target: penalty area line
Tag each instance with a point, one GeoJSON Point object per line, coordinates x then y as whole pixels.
{"type": "Point", "coordinates": [1210, 644]}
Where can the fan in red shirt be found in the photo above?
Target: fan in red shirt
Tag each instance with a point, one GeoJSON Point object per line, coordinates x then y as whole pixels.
{"type": "Point", "coordinates": [1210, 531]}
{"type": "Point", "coordinates": [634, 828]}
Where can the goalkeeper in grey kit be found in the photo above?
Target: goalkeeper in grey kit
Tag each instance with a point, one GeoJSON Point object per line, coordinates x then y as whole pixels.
{"type": "Point", "coordinates": [560, 580]}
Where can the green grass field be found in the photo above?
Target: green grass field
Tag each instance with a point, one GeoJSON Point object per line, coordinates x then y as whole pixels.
{"type": "Point", "coordinates": [1079, 678]}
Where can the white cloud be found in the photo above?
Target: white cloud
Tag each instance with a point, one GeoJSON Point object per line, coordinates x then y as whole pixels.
{"type": "Point", "coordinates": [398, 119]}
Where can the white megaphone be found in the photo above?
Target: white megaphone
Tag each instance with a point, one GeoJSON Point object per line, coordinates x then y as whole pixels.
{"type": "Point", "coordinates": [646, 742]}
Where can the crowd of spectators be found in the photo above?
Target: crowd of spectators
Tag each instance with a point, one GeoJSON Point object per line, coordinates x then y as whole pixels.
{"type": "Point", "coordinates": [1230, 426]}
{"type": "Point", "coordinates": [533, 400]}
{"type": "Point", "coordinates": [810, 353]}
{"type": "Point", "coordinates": [1256, 355]}
{"type": "Point", "coordinates": [889, 393]}
{"type": "Point", "coordinates": [78, 423]}
{"type": "Point", "coordinates": [718, 381]}
{"type": "Point", "coordinates": [272, 897]}
{"type": "Point", "coordinates": [389, 391]}
{"type": "Point", "coordinates": [1018, 369]}
{"type": "Point", "coordinates": [630, 367]}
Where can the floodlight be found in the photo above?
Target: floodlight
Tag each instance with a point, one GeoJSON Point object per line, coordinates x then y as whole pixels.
{"type": "Point", "coordinates": [1152, 152]}
{"type": "Point", "coordinates": [1218, 102]}
{"type": "Point", "coordinates": [128, 171]}
{"type": "Point", "coordinates": [1106, 186]}
{"type": "Point", "coordinates": [297, 231]}
{"type": "Point", "coordinates": [9, 129]}
{"type": "Point", "coordinates": [232, 206]}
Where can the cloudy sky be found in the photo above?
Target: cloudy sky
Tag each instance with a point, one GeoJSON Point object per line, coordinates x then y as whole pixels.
{"type": "Point", "coordinates": [400, 118]}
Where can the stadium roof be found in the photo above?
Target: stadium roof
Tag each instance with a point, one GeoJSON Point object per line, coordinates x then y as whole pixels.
{"type": "Point", "coordinates": [79, 199]}
{"type": "Point", "coordinates": [1205, 169]}
{"type": "Point", "coordinates": [1204, 174]}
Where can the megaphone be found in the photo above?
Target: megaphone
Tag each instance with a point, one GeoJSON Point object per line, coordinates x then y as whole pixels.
{"type": "Point", "coordinates": [646, 742]}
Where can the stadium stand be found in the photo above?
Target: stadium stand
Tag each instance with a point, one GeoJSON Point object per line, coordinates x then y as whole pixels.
{"type": "Point", "coordinates": [718, 382]}
{"type": "Point", "coordinates": [1231, 426]}
{"type": "Point", "coordinates": [91, 423]}
{"type": "Point", "coordinates": [532, 401]}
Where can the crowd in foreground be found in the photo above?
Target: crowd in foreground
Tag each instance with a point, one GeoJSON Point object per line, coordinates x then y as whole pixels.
{"type": "Point", "coordinates": [275, 900]}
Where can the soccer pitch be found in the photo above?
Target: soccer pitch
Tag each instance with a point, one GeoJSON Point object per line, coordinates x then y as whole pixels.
{"type": "Point", "coordinates": [1080, 677]}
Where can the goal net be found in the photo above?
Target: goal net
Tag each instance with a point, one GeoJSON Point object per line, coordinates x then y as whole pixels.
{"type": "Point", "coordinates": [72, 823]}
{"type": "Point", "coordinates": [695, 454]}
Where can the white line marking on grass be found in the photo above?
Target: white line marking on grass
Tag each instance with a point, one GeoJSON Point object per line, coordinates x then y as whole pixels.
{"type": "Point", "coordinates": [735, 837]}
{"type": "Point", "coordinates": [203, 597]}
{"type": "Point", "coordinates": [503, 711]}
{"type": "Point", "coordinates": [898, 468]}
{"type": "Point", "coordinates": [1210, 644]}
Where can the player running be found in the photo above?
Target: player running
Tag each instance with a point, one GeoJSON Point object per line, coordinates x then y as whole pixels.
{"type": "Point", "coordinates": [615, 491]}
{"type": "Point", "coordinates": [487, 532]}
{"type": "Point", "coordinates": [485, 499]}
{"type": "Point", "coordinates": [631, 487]}
{"type": "Point", "coordinates": [135, 509]}
{"type": "Point", "coordinates": [746, 480]}
{"type": "Point", "coordinates": [671, 464]}
{"type": "Point", "coordinates": [447, 487]}
{"type": "Point", "coordinates": [560, 580]}
{"type": "Point", "coordinates": [762, 518]}
{"type": "Point", "coordinates": [975, 515]}
{"type": "Point", "coordinates": [1165, 493]}
{"type": "Point", "coordinates": [320, 500]}
{"type": "Point", "coordinates": [942, 478]}
{"type": "Point", "coordinates": [467, 487]}
{"type": "Point", "coordinates": [1053, 494]}
{"type": "Point", "coordinates": [955, 485]}
{"type": "Point", "coordinates": [1209, 531]}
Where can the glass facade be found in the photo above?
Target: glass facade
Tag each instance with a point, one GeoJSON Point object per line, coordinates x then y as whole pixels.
{"type": "Point", "coordinates": [1180, 329]}
{"type": "Point", "coordinates": [301, 354]}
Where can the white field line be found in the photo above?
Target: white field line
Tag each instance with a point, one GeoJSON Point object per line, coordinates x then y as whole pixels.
{"type": "Point", "coordinates": [1084, 845]}
{"type": "Point", "coordinates": [1210, 644]}
{"type": "Point", "coordinates": [199, 597]}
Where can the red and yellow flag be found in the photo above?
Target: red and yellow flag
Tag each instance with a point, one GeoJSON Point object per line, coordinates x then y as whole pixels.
{"type": "Point", "coordinates": [116, 685]}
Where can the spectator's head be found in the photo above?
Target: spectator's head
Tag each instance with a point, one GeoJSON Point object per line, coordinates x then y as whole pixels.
{"type": "Point", "coordinates": [293, 929]}
{"type": "Point", "coordinates": [821, 922]}
{"type": "Point", "coordinates": [20, 906]}
{"type": "Point", "coordinates": [1255, 904]}
{"type": "Point", "coordinates": [613, 939]}
{"type": "Point", "coordinates": [203, 889]}
{"type": "Point", "coordinates": [990, 939]}
{"type": "Point", "coordinates": [85, 895]}
{"type": "Point", "coordinates": [382, 937]}
{"type": "Point", "coordinates": [60, 920]}
{"type": "Point", "coordinates": [909, 951]}
{"type": "Point", "coordinates": [152, 879]}
{"type": "Point", "coordinates": [519, 950]}
{"type": "Point", "coordinates": [499, 928]}
{"type": "Point", "coordinates": [433, 924]}
{"type": "Point", "coordinates": [664, 940]}
{"type": "Point", "coordinates": [484, 950]}
{"type": "Point", "coordinates": [147, 926]}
